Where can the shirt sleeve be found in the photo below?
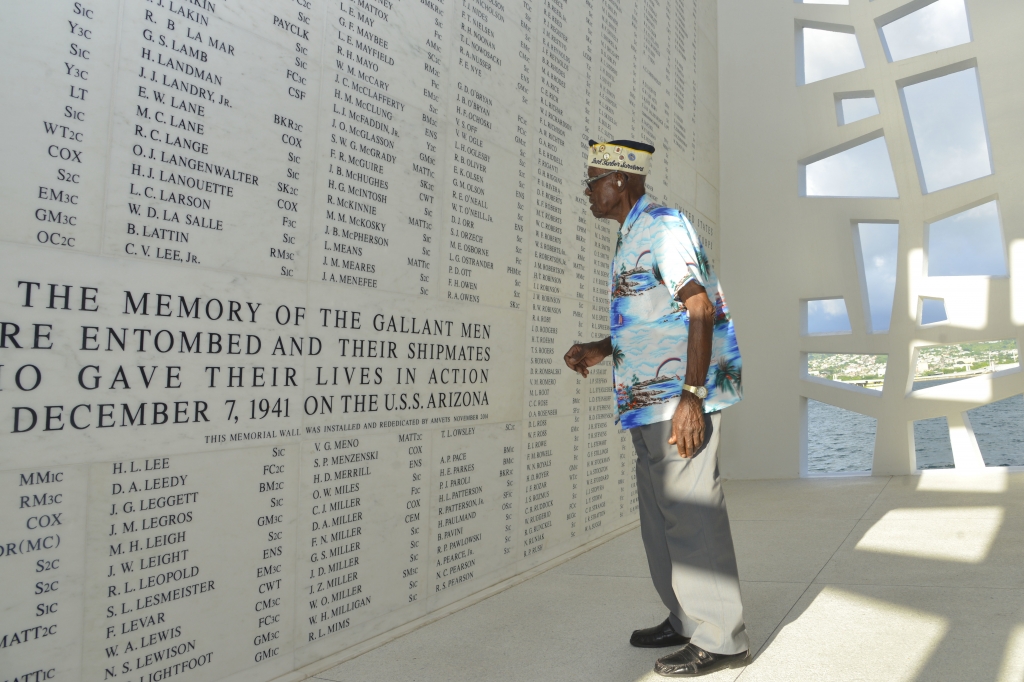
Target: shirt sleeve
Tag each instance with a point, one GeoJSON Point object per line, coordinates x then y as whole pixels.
{"type": "Point", "coordinates": [679, 257]}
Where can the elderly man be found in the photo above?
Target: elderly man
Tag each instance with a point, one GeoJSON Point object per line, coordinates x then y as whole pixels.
{"type": "Point", "coordinates": [676, 366]}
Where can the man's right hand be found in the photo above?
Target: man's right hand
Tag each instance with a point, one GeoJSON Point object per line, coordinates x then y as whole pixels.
{"type": "Point", "coordinates": [583, 356]}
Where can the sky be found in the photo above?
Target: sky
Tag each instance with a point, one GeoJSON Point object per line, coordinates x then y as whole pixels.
{"type": "Point", "coordinates": [968, 243]}
{"type": "Point", "coordinates": [933, 310]}
{"type": "Point", "coordinates": [827, 316]}
{"type": "Point", "coordinates": [936, 26]}
{"type": "Point", "coordinates": [864, 171]}
{"type": "Point", "coordinates": [857, 108]}
{"type": "Point", "coordinates": [878, 247]}
{"type": "Point", "coordinates": [949, 129]}
{"type": "Point", "coordinates": [829, 53]}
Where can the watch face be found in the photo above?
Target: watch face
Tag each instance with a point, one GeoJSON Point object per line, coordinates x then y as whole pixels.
{"type": "Point", "coordinates": [702, 392]}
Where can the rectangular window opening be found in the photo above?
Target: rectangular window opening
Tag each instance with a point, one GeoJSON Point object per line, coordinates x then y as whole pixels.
{"type": "Point", "coordinates": [860, 168]}
{"type": "Point", "coordinates": [855, 106]}
{"type": "Point", "coordinates": [848, 369]}
{"type": "Point", "coordinates": [946, 121]}
{"type": "Point", "coordinates": [999, 429]}
{"type": "Point", "coordinates": [968, 243]}
{"type": "Point", "coordinates": [876, 250]}
{"type": "Point", "coordinates": [946, 363]}
{"type": "Point", "coordinates": [932, 446]}
{"type": "Point", "coordinates": [921, 27]}
{"type": "Point", "coordinates": [825, 50]}
{"type": "Point", "coordinates": [838, 440]}
{"type": "Point", "coordinates": [932, 311]}
{"type": "Point", "coordinates": [825, 316]}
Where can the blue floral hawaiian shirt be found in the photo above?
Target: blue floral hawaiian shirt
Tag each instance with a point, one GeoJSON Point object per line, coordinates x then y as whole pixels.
{"type": "Point", "coordinates": [657, 253]}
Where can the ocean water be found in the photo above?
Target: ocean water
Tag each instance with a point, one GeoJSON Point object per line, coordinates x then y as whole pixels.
{"type": "Point", "coordinates": [932, 446]}
{"type": "Point", "coordinates": [999, 428]}
{"type": "Point", "coordinates": [842, 441]}
{"type": "Point", "coordinates": [838, 440]}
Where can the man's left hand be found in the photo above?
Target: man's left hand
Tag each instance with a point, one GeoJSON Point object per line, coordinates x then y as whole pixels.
{"type": "Point", "coordinates": [688, 425]}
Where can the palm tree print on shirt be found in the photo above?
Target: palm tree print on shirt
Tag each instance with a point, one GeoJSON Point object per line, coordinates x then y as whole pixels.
{"type": "Point", "coordinates": [728, 375]}
{"type": "Point", "coordinates": [703, 265]}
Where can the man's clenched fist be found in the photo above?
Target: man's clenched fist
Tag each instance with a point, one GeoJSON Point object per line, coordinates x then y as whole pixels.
{"type": "Point", "coordinates": [582, 356]}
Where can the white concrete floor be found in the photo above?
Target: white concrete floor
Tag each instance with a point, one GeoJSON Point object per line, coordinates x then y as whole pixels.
{"type": "Point", "coordinates": [910, 578]}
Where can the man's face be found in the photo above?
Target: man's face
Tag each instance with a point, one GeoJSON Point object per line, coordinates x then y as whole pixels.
{"type": "Point", "coordinates": [604, 194]}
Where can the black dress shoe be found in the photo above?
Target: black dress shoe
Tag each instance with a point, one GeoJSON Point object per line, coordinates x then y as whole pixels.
{"type": "Point", "coordinates": [657, 637]}
{"type": "Point", "coordinates": [692, 661]}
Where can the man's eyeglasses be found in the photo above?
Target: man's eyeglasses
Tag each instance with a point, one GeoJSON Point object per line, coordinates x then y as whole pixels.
{"type": "Point", "coordinates": [589, 182]}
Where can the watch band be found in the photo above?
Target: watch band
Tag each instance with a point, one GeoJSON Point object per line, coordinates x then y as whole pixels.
{"type": "Point", "coordinates": [699, 391]}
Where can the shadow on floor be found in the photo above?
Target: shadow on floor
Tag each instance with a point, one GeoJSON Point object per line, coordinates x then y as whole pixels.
{"type": "Point", "coordinates": [910, 578]}
{"type": "Point", "coordinates": [926, 586]}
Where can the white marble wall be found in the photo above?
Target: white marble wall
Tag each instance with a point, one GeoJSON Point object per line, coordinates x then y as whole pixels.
{"type": "Point", "coordinates": [284, 290]}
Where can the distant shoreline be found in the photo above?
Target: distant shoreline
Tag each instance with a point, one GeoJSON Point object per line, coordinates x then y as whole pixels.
{"type": "Point", "coordinates": [929, 377]}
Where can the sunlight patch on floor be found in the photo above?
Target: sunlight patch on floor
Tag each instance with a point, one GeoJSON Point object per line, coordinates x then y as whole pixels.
{"type": "Point", "coordinates": [1013, 660]}
{"type": "Point", "coordinates": [820, 639]}
{"type": "Point", "coordinates": [996, 481]}
{"type": "Point", "coordinates": [961, 534]}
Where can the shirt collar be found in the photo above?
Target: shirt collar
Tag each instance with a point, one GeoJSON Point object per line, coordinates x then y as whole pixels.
{"type": "Point", "coordinates": [634, 213]}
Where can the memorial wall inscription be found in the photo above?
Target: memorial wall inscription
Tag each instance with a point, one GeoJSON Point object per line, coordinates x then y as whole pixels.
{"type": "Point", "coordinates": [284, 291]}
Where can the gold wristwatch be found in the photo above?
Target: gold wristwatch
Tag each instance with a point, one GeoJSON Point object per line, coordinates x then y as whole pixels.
{"type": "Point", "coordinates": [698, 391]}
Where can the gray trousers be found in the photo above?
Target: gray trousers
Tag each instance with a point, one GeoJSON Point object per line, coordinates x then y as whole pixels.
{"type": "Point", "coordinates": [686, 533]}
